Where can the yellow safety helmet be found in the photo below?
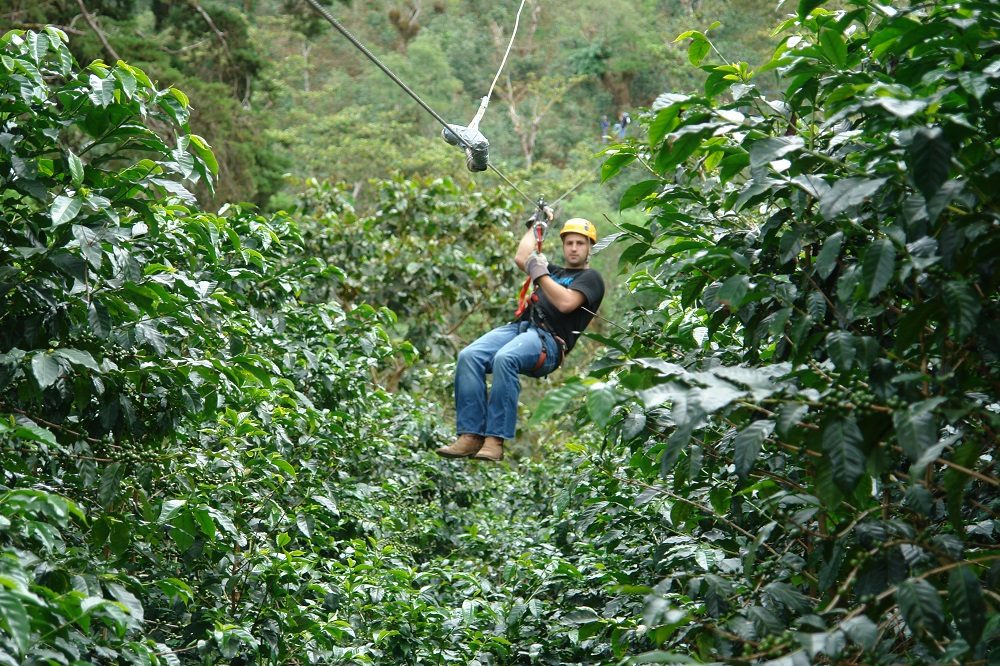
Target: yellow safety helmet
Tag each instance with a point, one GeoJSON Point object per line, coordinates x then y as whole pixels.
{"type": "Point", "coordinates": [578, 225]}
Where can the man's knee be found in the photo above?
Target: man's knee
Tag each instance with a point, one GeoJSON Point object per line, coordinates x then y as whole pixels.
{"type": "Point", "coordinates": [467, 357]}
{"type": "Point", "coordinates": [506, 360]}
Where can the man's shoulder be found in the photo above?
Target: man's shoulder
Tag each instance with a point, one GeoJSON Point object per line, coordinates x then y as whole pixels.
{"type": "Point", "coordinates": [567, 276]}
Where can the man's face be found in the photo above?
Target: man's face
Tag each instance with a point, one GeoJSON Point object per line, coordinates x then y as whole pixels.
{"type": "Point", "coordinates": [576, 249]}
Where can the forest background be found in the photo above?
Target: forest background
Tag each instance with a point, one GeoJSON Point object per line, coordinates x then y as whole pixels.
{"type": "Point", "coordinates": [237, 264]}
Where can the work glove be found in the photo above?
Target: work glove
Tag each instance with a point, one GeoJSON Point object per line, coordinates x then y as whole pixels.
{"type": "Point", "coordinates": [536, 266]}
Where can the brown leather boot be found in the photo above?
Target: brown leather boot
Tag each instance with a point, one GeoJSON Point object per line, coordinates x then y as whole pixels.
{"type": "Point", "coordinates": [465, 446]}
{"type": "Point", "coordinates": [492, 450]}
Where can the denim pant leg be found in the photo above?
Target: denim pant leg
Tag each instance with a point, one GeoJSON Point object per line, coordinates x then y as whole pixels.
{"type": "Point", "coordinates": [474, 362]}
{"type": "Point", "coordinates": [518, 356]}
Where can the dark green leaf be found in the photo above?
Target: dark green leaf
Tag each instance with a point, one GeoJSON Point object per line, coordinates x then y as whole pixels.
{"type": "Point", "coordinates": [75, 168]}
{"type": "Point", "coordinates": [826, 261]}
{"type": "Point", "coordinates": [848, 193]}
{"type": "Point", "coordinates": [955, 482]}
{"type": "Point", "coordinates": [963, 305]}
{"type": "Point", "coordinates": [732, 292]}
{"type": "Point", "coordinates": [633, 425]}
{"type": "Point", "coordinates": [806, 6]}
{"type": "Point", "coordinates": [46, 368]}
{"type": "Point", "coordinates": [765, 151]}
{"type": "Point", "coordinates": [841, 349]}
{"type": "Point", "coordinates": [127, 599]}
{"type": "Point", "coordinates": [789, 597]}
{"type": "Point", "coordinates": [974, 83]}
{"type": "Point", "coordinates": [879, 266]}
{"type": "Point", "coordinates": [789, 415]}
{"type": "Point", "coordinates": [638, 192]}
{"type": "Point", "coordinates": [920, 604]}
{"type": "Point", "coordinates": [614, 164]}
{"type": "Point", "coordinates": [843, 442]}
{"type": "Point", "coordinates": [790, 245]}
{"type": "Point", "coordinates": [99, 319]}
{"type": "Point", "coordinates": [600, 402]}
{"type": "Point", "coordinates": [930, 160]}
{"type": "Point", "coordinates": [965, 597]}
{"type": "Point", "coordinates": [30, 430]}
{"type": "Point", "coordinates": [606, 241]}
{"type": "Point", "coordinates": [697, 50]}
{"type": "Point", "coordinates": [660, 657]}
{"type": "Point", "coordinates": [581, 615]}
{"type": "Point", "coordinates": [111, 479]}
{"type": "Point", "coordinates": [862, 631]}
{"type": "Point", "coordinates": [38, 46]}
{"type": "Point", "coordinates": [79, 357]}
{"type": "Point", "coordinates": [204, 152]}
{"type": "Point", "coordinates": [90, 246]}
{"type": "Point", "coordinates": [747, 445]}
{"type": "Point", "coordinates": [916, 427]}
{"type": "Point", "coordinates": [665, 121]}
{"type": "Point", "coordinates": [901, 108]}
{"type": "Point", "coordinates": [102, 90]}
{"type": "Point", "coordinates": [633, 253]}
{"type": "Point", "coordinates": [816, 306]}
{"type": "Point", "coordinates": [184, 530]}
{"type": "Point", "coordinates": [64, 209]}
{"type": "Point", "coordinates": [557, 401]}
{"type": "Point", "coordinates": [834, 47]}
{"type": "Point", "coordinates": [16, 618]}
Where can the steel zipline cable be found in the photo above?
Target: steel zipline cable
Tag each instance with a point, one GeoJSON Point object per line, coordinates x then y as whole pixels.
{"type": "Point", "coordinates": [321, 10]}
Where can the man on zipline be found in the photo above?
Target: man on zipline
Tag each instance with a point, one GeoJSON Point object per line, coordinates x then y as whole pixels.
{"type": "Point", "coordinates": [563, 303]}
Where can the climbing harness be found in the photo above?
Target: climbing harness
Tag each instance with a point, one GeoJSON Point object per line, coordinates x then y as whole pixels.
{"type": "Point", "coordinates": [477, 155]}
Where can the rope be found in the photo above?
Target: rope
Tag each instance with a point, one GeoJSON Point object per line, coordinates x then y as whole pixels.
{"type": "Point", "coordinates": [508, 181]}
{"type": "Point", "coordinates": [503, 61]}
{"type": "Point", "coordinates": [321, 10]}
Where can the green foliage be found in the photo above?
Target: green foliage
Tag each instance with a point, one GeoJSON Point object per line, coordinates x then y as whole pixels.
{"type": "Point", "coordinates": [213, 430]}
{"type": "Point", "coordinates": [196, 465]}
{"type": "Point", "coordinates": [469, 234]}
{"type": "Point", "coordinates": [787, 454]}
{"type": "Point", "coordinates": [821, 272]}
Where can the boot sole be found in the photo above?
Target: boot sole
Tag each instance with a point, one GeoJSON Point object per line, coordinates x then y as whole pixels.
{"type": "Point", "coordinates": [448, 454]}
{"type": "Point", "coordinates": [491, 459]}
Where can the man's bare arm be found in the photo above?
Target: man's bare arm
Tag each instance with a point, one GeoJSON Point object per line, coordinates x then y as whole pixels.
{"type": "Point", "coordinates": [525, 248]}
{"type": "Point", "coordinates": [565, 299]}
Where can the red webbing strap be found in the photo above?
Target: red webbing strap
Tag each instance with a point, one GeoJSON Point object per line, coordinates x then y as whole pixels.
{"type": "Point", "coordinates": [541, 360]}
{"type": "Point", "coordinates": [523, 299]}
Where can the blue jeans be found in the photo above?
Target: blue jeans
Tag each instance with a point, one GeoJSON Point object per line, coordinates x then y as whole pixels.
{"type": "Point", "coordinates": [507, 351]}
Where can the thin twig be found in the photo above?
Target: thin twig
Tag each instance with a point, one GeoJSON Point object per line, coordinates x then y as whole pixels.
{"type": "Point", "coordinates": [92, 22]}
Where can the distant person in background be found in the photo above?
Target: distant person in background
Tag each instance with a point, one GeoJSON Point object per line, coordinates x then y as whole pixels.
{"type": "Point", "coordinates": [621, 126]}
{"type": "Point", "coordinates": [605, 125]}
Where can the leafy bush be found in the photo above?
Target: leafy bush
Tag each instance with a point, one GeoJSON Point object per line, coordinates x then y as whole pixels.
{"type": "Point", "coordinates": [809, 384]}
{"type": "Point", "coordinates": [468, 236]}
{"type": "Point", "coordinates": [197, 465]}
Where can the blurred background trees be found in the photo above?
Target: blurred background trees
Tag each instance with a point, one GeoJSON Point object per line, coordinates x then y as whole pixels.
{"type": "Point", "coordinates": [276, 93]}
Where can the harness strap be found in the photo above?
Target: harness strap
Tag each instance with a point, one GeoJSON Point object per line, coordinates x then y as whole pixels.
{"type": "Point", "coordinates": [523, 300]}
{"type": "Point", "coordinates": [544, 355]}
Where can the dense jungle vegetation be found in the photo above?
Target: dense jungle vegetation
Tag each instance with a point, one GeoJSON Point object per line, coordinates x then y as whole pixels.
{"type": "Point", "coordinates": [236, 266]}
